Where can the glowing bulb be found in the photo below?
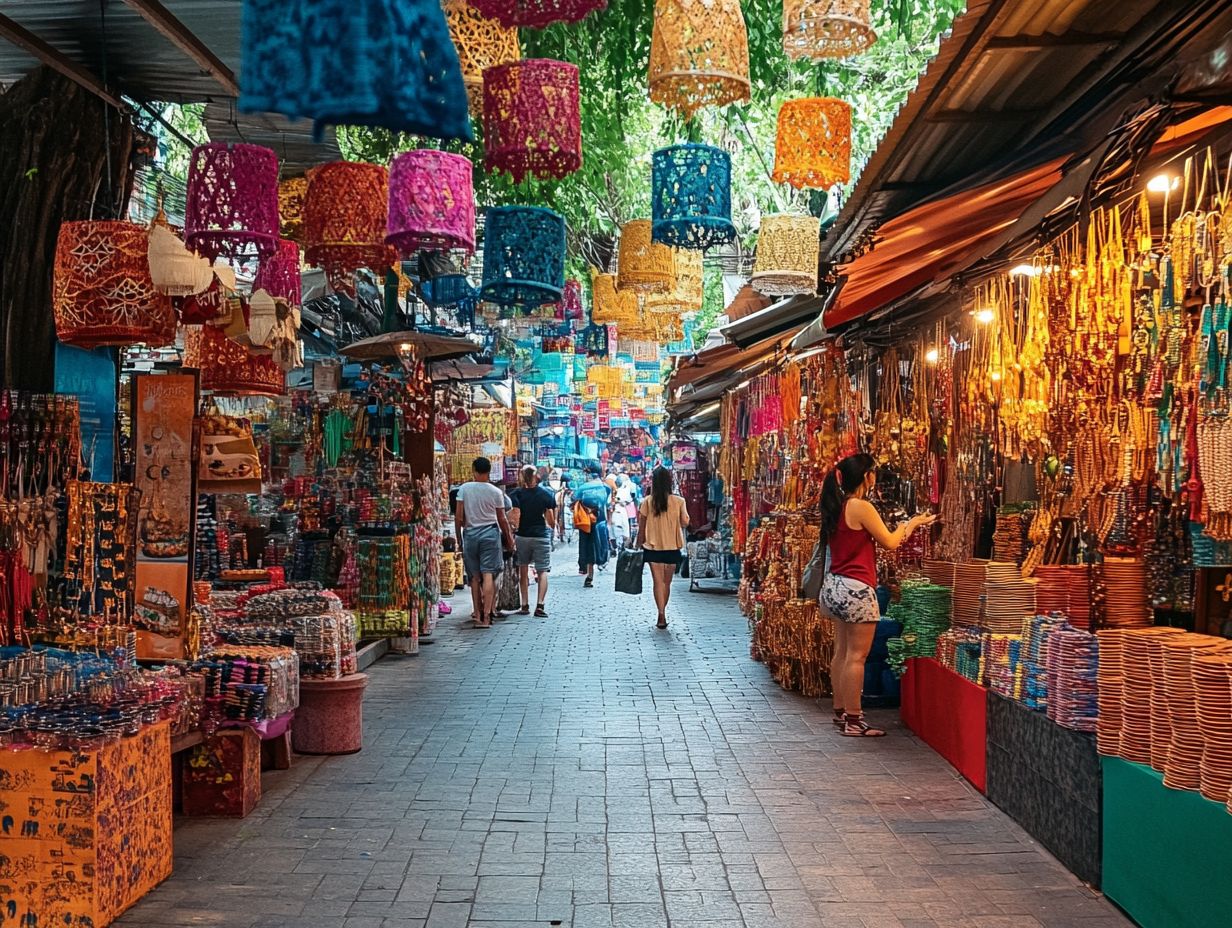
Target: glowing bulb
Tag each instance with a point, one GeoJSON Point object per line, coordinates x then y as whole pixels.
{"type": "Point", "coordinates": [405, 347]}
{"type": "Point", "coordinates": [1162, 183]}
{"type": "Point", "coordinates": [984, 316]}
{"type": "Point", "coordinates": [931, 355]}
{"type": "Point", "coordinates": [996, 376]}
{"type": "Point", "coordinates": [1026, 270]}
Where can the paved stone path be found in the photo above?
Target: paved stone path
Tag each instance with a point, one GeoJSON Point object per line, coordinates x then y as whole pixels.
{"type": "Point", "coordinates": [589, 771]}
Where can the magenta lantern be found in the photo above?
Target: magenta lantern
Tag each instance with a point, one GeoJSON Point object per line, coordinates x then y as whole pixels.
{"type": "Point", "coordinates": [280, 275]}
{"type": "Point", "coordinates": [431, 202]}
{"type": "Point", "coordinates": [537, 13]}
{"type": "Point", "coordinates": [532, 122]}
{"type": "Point", "coordinates": [231, 210]}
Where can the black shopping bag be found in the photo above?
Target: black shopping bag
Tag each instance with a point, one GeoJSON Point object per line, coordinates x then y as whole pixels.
{"type": "Point", "coordinates": [629, 572]}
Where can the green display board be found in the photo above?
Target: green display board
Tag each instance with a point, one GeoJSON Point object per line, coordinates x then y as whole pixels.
{"type": "Point", "coordinates": [1166, 851]}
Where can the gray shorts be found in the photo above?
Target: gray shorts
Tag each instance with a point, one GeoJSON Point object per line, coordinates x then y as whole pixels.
{"type": "Point", "coordinates": [537, 551]}
{"type": "Point", "coordinates": [481, 550]}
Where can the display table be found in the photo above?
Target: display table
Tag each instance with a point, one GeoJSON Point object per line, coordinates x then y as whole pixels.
{"type": "Point", "coordinates": [1047, 779]}
{"type": "Point", "coordinates": [949, 713]}
{"type": "Point", "coordinates": [90, 832]}
{"type": "Point", "coordinates": [1165, 850]}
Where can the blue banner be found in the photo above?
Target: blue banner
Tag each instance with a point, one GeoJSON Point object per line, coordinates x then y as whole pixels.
{"type": "Point", "coordinates": [91, 377]}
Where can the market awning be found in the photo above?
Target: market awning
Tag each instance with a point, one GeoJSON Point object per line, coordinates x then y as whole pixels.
{"type": "Point", "coordinates": [429, 346]}
{"type": "Point", "coordinates": [786, 315]}
{"type": "Point", "coordinates": [719, 367]}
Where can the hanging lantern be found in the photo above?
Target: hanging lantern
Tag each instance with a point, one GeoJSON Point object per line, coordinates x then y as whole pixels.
{"type": "Point", "coordinates": [826, 28]}
{"type": "Point", "coordinates": [813, 145]}
{"type": "Point", "coordinates": [532, 121]}
{"type": "Point", "coordinates": [345, 212]}
{"type": "Point", "coordinates": [482, 43]}
{"type": "Point", "coordinates": [291, 193]}
{"type": "Point", "coordinates": [610, 305]}
{"type": "Point", "coordinates": [690, 196]}
{"type": "Point", "coordinates": [280, 276]}
{"type": "Point", "coordinates": [686, 295]}
{"type": "Point", "coordinates": [570, 307]}
{"type": "Point", "coordinates": [229, 368]}
{"type": "Point", "coordinates": [537, 13]}
{"type": "Point", "coordinates": [387, 63]}
{"type": "Point", "coordinates": [102, 292]}
{"type": "Point", "coordinates": [788, 251]}
{"type": "Point", "coordinates": [446, 290]}
{"type": "Point", "coordinates": [699, 54]}
{"type": "Point", "coordinates": [644, 265]}
{"type": "Point", "coordinates": [431, 202]}
{"type": "Point", "coordinates": [231, 208]}
{"type": "Point", "coordinates": [174, 270]}
{"type": "Point", "coordinates": [523, 256]}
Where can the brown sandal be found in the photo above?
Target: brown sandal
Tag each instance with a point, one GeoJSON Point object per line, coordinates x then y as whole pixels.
{"type": "Point", "coordinates": [838, 719]}
{"type": "Point", "coordinates": [854, 726]}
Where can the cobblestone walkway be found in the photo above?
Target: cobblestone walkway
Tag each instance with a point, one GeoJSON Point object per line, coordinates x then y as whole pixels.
{"type": "Point", "coordinates": [587, 770]}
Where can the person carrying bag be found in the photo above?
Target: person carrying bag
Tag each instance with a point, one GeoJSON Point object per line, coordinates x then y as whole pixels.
{"type": "Point", "coordinates": [629, 565]}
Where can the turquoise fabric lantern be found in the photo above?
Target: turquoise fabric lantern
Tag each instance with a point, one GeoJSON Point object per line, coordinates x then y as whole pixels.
{"type": "Point", "coordinates": [690, 197]}
{"type": "Point", "coordinates": [523, 256]}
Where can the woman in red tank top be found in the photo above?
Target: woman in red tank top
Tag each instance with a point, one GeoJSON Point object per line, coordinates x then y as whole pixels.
{"type": "Point", "coordinates": [852, 529]}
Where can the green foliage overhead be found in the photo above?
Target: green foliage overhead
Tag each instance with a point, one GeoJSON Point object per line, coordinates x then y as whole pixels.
{"type": "Point", "coordinates": [621, 127]}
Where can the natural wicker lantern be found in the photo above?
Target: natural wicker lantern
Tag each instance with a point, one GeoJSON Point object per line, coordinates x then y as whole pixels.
{"type": "Point", "coordinates": [231, 208]}
{"type": "Point", "coordinates": [788, 249]}
{"type": "Point", "coordinates": [686, 295]}
{"type": "Point", "coordinates": [102, 293]}
{"type": "Point", "coordinates": [532, 121]}
{"type": "Point", "coordinates": [431, 202]}
{"type": "Point", "coordinates": [570, 307]}
{"type": "Point", "coordinates": [644, 265]}
{"type": "Point", "coordinates": [291, 193]}
{"type": "Point", "coordinates": [280, 275]}
{"type": "Point", "coordinates": [345, 213]}
{"type": "Point", "coordinates": [813, 146]}
{"type": "Point", "coordinates": [826, 28]}
{"type": "Point", "coordinates": [537, 13]}
{"type": "Point", "coordinates": [523, 256]}
{"type": "Point", "coordinates": [609, 305]}
{"type": "Point", "coordinates": [229, 368]}
{"type": "Point", "coordinates": [690, 196]}
{"type": "Point", "coordinates": [482, 43]}
{"type": "Point", "coordinates": [699, 54]}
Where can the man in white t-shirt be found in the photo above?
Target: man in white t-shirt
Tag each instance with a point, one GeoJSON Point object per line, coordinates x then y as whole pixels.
{"type": "Point", "coordinates": [481, 512]}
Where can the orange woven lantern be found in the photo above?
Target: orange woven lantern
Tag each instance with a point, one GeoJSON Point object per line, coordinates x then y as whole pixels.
{"type": "Point", "coordinates": [608, 304]}
{"type": "Point", "coordinates": [482, 43]}
{"type": "Point", "coordinates": [826, 28]}
{"type": "Point", "coordinates": [788, 249]}
{"type": "Point", "coordinates": [228, 367]}
{"type": "Point", "coordinates": [644, 265]}
{"type": "Point", "coordinates": [345, 212]}
{"type": "Point", "coordinates": [102, 292]}
{"type": "Point", "coordinates": [686, 294]}
{"type": "Point", "coordinates": [291, 193]}
{"type": "Point", "coordinates": [813, 145]}
{"type": "Point", "coordinates": [699, 54]}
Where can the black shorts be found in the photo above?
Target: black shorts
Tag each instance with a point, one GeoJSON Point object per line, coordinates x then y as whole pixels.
{"type": "Point", "coordinates": [661, 557]}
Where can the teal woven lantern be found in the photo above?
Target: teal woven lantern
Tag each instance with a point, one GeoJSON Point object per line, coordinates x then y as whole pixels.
{"type": "Point", "coordinates": [690, 197]}
{"type": "Point", "coordinates": [523, 256]}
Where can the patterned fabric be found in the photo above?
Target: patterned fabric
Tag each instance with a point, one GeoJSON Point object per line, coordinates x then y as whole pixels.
{"type": "Point", "coordinates": [523, 256]}
{"type": "Point", "coordinates": [813, 144]}
{"type": "Point", "coordinates": [231, 207]}
{"type": "Point", "coordinates": [690, 196]}
{"type": "Point", "coordinates": [537, 13]}
{"type": "Point", "coordinates": [532, 121]}
{"type": "Point", "coordinates": [431, 202]}
{"type": "Point", "coordinates": [788, 251]}
{"type": "Point", "coordinates": [699, 54]}
{"type": "Point", "coordinates": [826, 28]}
{"type": "Point", "coordinates": [387, 63]}
{"type": "Point", "coordinates": [847, 600]}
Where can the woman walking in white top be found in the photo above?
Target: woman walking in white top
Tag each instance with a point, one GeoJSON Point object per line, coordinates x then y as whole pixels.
{"type": "Point", "coordinates": [660, 534]}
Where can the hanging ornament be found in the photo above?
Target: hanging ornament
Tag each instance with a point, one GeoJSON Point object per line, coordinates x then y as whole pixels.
{"type": "Point", "coordinates": [280, 276]}
{"type": "Point", "coordinates": [446, 290]}
{"type": "Point", "coordinates": [523, 256]}
{"type": "Point", "coordinates": [788, 251]}
{"type": "Point", "coordinates": [482, 43]}
{"type": "Point", "coordinates": [345, 213]}
{"type": "Point", "coordinates": [537, 13]}
{"type": "Point", "coordinates": [174, 269]}
{"type": "Point", "coordinates": [431, 203]}
{"type": "Point", "coordinates": [644, 265]}
{"type": "Point", "coordinates": [291, 193]}
{"type": "Point", "coordinates": [691, 196]}
{"type": "Point", "coordinates": [102, 293]}
{"type": "Point", "coordinates": [686, 294]}
{"type": "Point", "coordinates": [813, 144]}
{"type": "Point", "coordinates": [228, 367]}
{"type": "Point", "coordinates": [826, 28]}
{"type": "Point", "coordinates": [570, 307]}
{"type": "Point", "coordinates": [532, 121]}
{"type": "Point", "coordinates": [262, 319]}
{"type": "Point", "coordinates": [387, 63]}
{"type": "Point", "coordinates": [608, 304]}
{"type": "Point", "coordinates": [699, 54]}
{"type": "Point", "coordinates": [231, 208]}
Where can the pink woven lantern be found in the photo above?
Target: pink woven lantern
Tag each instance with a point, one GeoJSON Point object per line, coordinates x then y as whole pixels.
{"type": "Point", "coordinates": [231, 209]}
{"type": "Point", "coordinates": [532, 120]}
{"type": "Point", "coordinates": [345, 212]}
{"type": "Point", "coordinates": [280, 275]}
{"type": "Point", "coordinates": [537, 13]}
{"type": "Point", "coordinates": [431, 202]}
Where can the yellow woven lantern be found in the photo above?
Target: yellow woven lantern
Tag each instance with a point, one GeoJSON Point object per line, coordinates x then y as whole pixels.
{"type": "Point", "coordinates": [609, 305]}
{"type": "Point", "coordinates": [686, 296]}
{"type": "Point", "coordinates": [826, 28]}
{"type": "Point", "coordinates": [291, 193]}
{"type": "Point", "coordinates": [813, 145]}
{"type": "Point", "coordinates": [788, 249]}
{"type": "Point", "coordinates": [482, 43]}
{"type": "Point", "coordinates": [645, 265]}
{"type": "Point", "coordinates": [699, 54]}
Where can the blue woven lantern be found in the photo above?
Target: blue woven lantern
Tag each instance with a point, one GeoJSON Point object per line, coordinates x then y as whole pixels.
{"type": "Point", "coordinates": [690, 197]}
{"type": "Point", "coordinates": [446, 290]}
{"type": "Point", "coordinates": [388, 63]}
{"type": "Point", "coordinates": [523, 256]}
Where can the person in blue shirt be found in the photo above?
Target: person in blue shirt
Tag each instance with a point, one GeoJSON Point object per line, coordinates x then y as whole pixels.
{"type": "Point", "coordinates": [593, 551]}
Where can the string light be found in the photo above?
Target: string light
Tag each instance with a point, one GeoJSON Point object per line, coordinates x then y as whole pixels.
{"type": "Point", "coordinates": [984, 316]}
{"type": "Point", "coordinates": [932, 355]}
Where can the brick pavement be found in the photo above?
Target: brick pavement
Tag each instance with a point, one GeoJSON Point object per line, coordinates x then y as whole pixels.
{"type": "Point", "coordinates": [589, 771]}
